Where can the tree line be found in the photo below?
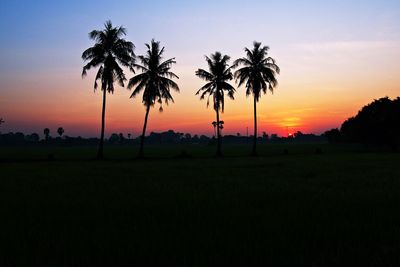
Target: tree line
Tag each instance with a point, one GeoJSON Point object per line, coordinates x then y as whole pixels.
{"type": "Point", "coordinates": [155, 80]}
{"type": "Point", "coordinates": [166, 137]}
{"type": "Point", "coordinates": [377, 123]}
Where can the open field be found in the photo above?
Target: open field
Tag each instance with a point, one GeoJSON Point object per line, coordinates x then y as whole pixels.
{"type": "Point", "coordinates": [337, 208]}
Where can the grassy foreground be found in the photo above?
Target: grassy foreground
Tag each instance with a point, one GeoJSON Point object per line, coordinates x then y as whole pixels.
{"type": "Point", "coordinates": [337, 208]}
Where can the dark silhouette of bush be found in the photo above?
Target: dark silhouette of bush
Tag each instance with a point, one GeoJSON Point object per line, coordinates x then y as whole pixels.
{"type": "Point", "coordinates": [32, 138]}
{"type": "Point", "coordinates": [114, 138]}
{"type": "Point", "coordinates": [121, 138]}
{"type": "Point", "coordinates": [333, 135]}
{"type": "Point", "coordinates": [377, 123]}
{"type": "Point", "coordinates": [46, 133]}
{"type": "Point", "coordinates": [12, 139]}
{"type": "Point", "coordinates": [60, 131]}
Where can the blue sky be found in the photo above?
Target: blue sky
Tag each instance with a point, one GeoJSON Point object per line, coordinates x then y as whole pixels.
{"type": "Point", "coordinates": [58, 28]}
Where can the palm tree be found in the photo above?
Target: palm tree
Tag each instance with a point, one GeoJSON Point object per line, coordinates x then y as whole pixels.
{"type": "Point", "coordinates": [108, 53]}
{"type": "Point", "coordinates": [259, 75]}
{"type": "Point", "coordinates": [216, 85]}
{"type": "Point", "coordinates": [46, 133]}
{"type": "Point", "coordinates": [221, 126]}
{"type": "Point", "coordinates": [155, 81]}
{"type": "Point", "coordinates": [214, 124]}
{"type": "Point", "coordinates": [60, 131]}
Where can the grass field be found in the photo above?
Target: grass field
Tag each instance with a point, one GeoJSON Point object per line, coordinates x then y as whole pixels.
{"type": "Point", "coordinates": [337, 208]}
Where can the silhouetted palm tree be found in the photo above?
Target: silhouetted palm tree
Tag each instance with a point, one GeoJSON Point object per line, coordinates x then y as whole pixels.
{"type": "Point", "coordinates": [46, 133]}
{"type": "Point", "coordinates": [221, 126]}
{"type": "Point", "coordinates": [259, 75]}
{"type": "Point", "coordinates": [108, 53]}
{"type": "Point", "coordinates": [217, 76]}
{"type": "Point", "coordinates": [214, 124]}
{"type": "Point", "coordinates": [155, 81]}
{"type": "Point", "coordinates": [60, 131]}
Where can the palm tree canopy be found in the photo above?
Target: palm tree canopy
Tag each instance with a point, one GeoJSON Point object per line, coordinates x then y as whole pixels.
{"type": "Point", "coordinates": [217, 80]}
{"type": "Point", "coordinates": [60, 130]}
{"type": "Point", "coordinates": [156, 78]}
{"type": "Point", "coordinates": [108, 53]}
{"type": "Point", "coordinates": [259, 71]}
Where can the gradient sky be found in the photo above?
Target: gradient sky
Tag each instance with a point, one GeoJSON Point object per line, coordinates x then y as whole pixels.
{"type": "Point", "coordinates": [335, 56]}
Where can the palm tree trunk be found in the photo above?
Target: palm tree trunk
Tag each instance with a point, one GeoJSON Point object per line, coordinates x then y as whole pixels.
{"type": "Point", "coordinates": [141, 152]}
{"type": "Point", "coordinates": [219, 153]}
{"type": "Point", "coordinates": [254, 152]}
{"type": "Point", "coordinates": [103, 113]}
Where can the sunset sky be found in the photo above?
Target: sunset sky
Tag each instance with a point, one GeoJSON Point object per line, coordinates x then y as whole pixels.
{"type": "Point", "coordinates": [335, 57]}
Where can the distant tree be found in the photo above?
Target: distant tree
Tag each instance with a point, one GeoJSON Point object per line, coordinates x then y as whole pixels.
{"type": "Point", "coordinates": [204, 139]}
{"type": "Point", "coordinates": [376, 123]}
{"type": "Point", "coordinates": [108, 53]}
{"type": "Point", "coordinates": [216, 85]}
{"type": "Point", "coordinates": [60, 131]}
{"type": "Point", "coordinates": [265, 136]}
{"type": "Point", "coordinates": [121, 137]}
{"type": "Point", "coordinates": [259, 75]}
{"type": "Point", "coordinates": [221, 124]}
{"type": "Point", "coordinates": [114, 138]}
{"type": "Point", "coordinates": [298, 134]}
{"type": "Point", "coordinates": [274, 137]}
{"type": "Point", "coordinates": [46, 133]}
{"type": "Point", "coordinates": [333, 135]}
{"type": "Point", "coordinates": [214, 124]}
{"type": "Point", "coordinates": [155, 81]}
{"type": "Point", "coordinates": [33, 138]}
{"type": "Point", "coordinates": [17, 138]}
{"type": "Point", "coordinates": [129, 136]}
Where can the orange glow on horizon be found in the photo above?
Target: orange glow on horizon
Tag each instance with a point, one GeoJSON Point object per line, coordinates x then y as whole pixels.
{"type": "Point", "coordinates": [332, 64]}
{"type": "Point", "coordinates": [308, 105]}
{"type": "Point", "coordinates": [79, 113]}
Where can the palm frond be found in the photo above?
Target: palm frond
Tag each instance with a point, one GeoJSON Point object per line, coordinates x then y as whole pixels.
{"type": "Point", "coordinates": [207, 87]}
{"type": "Point", "coordinates": [258, 72]}
{"type": "Point", "coordinates": [157, 75]}
{"type": "Point", "coordinates": [98, 77]}
{"type": "Point", "coordinates": [205, 75]}
{"type": "Point", "coordinates": [168, 83]}
{"type": "Point", "coordinates": [137, 79]}
{"type": "Point", "coordinates": [109, 52]}
{"type": "Point", "coordinates": [217, 80]}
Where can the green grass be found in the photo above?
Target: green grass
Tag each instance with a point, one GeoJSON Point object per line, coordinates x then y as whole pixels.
{"type": "Point", "coordinates": [302, 209]}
